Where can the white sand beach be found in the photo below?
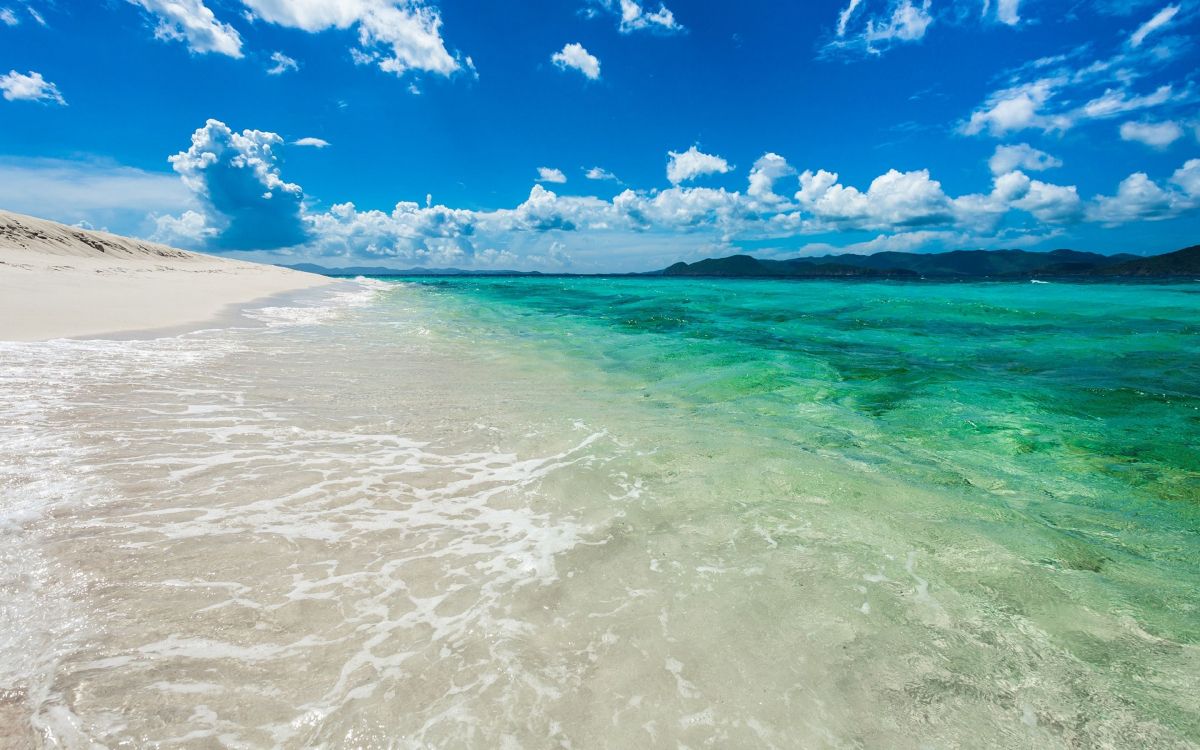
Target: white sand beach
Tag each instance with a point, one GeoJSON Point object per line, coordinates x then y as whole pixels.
{"type": "Point", "coordinates": [58, 281]}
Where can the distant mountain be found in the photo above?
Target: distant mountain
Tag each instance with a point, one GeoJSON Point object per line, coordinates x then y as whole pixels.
{"type": "Point", "coordinates": [748, 267]}
{"type": "Point", "coordinates": [953, 264]}
{"type": "Point", "coordinates": [380, 271]}
{"type": "Point", "coordinates": [1185, 262]}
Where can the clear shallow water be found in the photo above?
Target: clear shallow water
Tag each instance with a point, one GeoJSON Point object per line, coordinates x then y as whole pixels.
{"type": "Point", "coordinates": [544, 512]}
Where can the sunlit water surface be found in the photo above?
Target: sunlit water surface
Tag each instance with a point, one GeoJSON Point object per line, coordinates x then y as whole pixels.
{"type": "Point", "coordinates": [613, 513]}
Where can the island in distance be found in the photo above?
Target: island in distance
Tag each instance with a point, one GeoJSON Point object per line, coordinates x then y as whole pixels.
{"type": "Point", "coordinates": [955, 264]}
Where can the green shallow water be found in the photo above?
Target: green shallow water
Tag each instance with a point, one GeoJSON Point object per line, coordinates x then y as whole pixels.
{"type": "Point", "coordinates": [1036, 445]}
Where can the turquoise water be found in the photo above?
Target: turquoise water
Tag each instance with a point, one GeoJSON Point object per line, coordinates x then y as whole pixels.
{"type": "Point", "coordinates": [1041, 442]}
{"type": "Point", "coordinates": [613, 513]}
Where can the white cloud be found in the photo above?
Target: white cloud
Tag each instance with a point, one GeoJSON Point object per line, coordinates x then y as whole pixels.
{"type": "Point", "coordinates": [1118, 101]}
{"type": "Point", "coordinates": [1008, 12]}
{"type": "Point", "coordinates": [193, 22]}
{"type": "Point", "coordinates": [236, 176]}
{"type": "Point", "coordinates": [894, 199]}
{"type": "Point", "coordinates": [311, 142]}
{"type": "Point", "coordinates": [1160, 19]}
{"type": "Point", "coordinates": [599, 173]}
{"type": "Point", "coordinates": [1021, 156]}
{"type": "Point", "coordinates": [908, 24]}
{"type": "Point", "coordinates": [237, 198]}
{"type": "Point", "coordinates": [1138, 198]}
{"type": "Point", "coordinates": [767, 170]}
{"type": "Point", "coordinates": [844, 16]}
{"type": "Point", "coordinates": [901, 21]}
{"type": "Point", "coordinates": [283, 64]}
{"type": "Point", "coordinates": [1017, 108]}
{"type": "Point", "coordinates": [1153, 134]}
{"type": "Point", "coordinates": [397, 35]}
{"type": "Point", "coordinates": [690, 164]}
{"type": "Point", "coordinates": [1187, 178]}
{"type": "Point", "coordinates": [7, 17]}
{"type": "Point", "coordinates": [574, 56]}
{"type": "Point", "coordinates": [633, 16]}
{"type": "Point", "coordinates": [29, 87]}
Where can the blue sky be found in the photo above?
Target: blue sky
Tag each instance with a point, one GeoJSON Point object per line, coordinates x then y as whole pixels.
{"type": "Point", "coordinates": [604, 135]}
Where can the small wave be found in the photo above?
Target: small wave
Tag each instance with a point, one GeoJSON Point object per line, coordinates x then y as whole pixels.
{"type": "Point", "coordinates": [365, 291]}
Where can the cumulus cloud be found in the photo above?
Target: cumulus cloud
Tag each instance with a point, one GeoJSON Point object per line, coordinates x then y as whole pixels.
{"type": "Point", "coordinates": [1008, 12]}
{"type": "Point", "coordinates": [690, 164]}
{"type": "Point", "coordinates": [192, 22]}
{"type": "Point", "coordinates": [599, 173]}
{"type": "Point", "coordinates": [633, 16]}
{"type": "Point", "coordinates": [1160, 19]}
{"type": "Point", "coordinates": [30, 87]}
{"type": "Point", "coordinates": [767, 170]}
{"type": "Point", "coordinates": [283, 64]}
{"type": "Point", "coordinates": [894, 199]}
{"type": "Point", "coordinates": [1153, 134]}
{"type": "Point", "coordinates": [574, 56]}
{"type": "Point", "coordinates": [396, 35]}
{"type": "Point", "coordinates": [7, 17]}
{"type": "Point", "coordinates": [1021, 156]}
{"type": "Point", "coordinates": [1017, 108]}
{"type": "Point", "coordinates": [236, 177]}
{"type": "Point", "coordinates": [241, 200]}
{"type": "Point", "coordinates": [311, 142]}
{"type": "Point", "coordinates": [1138, 198]}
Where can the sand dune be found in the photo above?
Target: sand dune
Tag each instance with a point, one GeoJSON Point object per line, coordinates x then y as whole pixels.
{"type": "Point", "coordinates": [58, 281]}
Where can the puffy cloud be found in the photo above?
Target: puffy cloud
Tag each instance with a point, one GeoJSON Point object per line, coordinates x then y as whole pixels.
{"type": "Point", "coordinates": [311, 142]}
{"type": "Point", "coordinates": [1138, 198]}
{"type": "Point", "coordinates": [599, 173]}
{"type": "Point", "coordinates": [29, 87]}
{"type": "Point", "coordinates": [1054, 204]}
{"type": "Point", "coordinates": [7, 17]}
{"type": "Point", "coordinates": [191, 21]}
{"type": "Point", "coordinates": [1187, 178]}
{"type": "Point", "coordinates": [283, 64]}
{"type": "Point", "coordinates": [1008, 12]}
{"type": "Point", "coordinates": [1021, 156]}
{"type": "Point", "coordinates": [397, 35]}
{"type": "Point", "coordinates": [633, 16]}
{"type": "Point", "coordinates": [242, 201]}
{"type": "Point", "coordinates": [1153, 134]}
{"type": "Point", "coordinates": [236, 176]}
{"type": "Point", "coordinates": [767, 170]}
{"type": "Point", "coordinates": [189, 229]}
{"type": "Point", "coordinates": [1160, 19]}
{"type": "Point", "coordinates": [574, 56]}
{"type": "Point", "coordinates": [1017, 108]}
{"type": "Point", "coordinates": [549, 174]}
{"type": "Point", "coordinates": [690, 164]}
{"type": "Point", "coordinates": [894, 199]}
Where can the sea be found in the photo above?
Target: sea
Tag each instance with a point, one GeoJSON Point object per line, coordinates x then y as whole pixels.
{"type": "Point", "coordinates": [547, 512]}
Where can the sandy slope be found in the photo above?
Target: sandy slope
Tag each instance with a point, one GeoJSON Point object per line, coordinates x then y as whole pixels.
{"type": "Point", "coordinates": [58, 281]}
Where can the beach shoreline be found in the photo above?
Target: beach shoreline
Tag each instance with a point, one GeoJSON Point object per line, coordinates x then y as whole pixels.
{"type": "Point", "coordinates": [63, 282]}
